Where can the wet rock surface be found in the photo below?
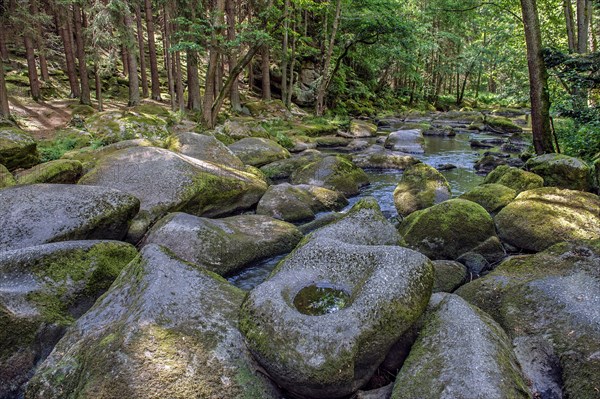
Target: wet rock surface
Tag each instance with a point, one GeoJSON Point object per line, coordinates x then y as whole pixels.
{"type": "Point", "coordinates": [258, 151]}
{"type": "Point", "coordinates": [332, 172]}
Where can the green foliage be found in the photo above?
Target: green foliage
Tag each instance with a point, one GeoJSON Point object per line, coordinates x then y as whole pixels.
{"type": "Point", "coordinates": [578, 140]}
{"type": "Point", "coordinates": [50, 151]}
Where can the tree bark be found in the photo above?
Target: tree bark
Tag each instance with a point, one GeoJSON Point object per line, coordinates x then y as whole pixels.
{"type": "Point", "coordinates": [284, 51]}
{"type": "Point", "coordinates": [583, 24]}
{"type": "Point", "coordinates": [265, 67]}
{"type": "Point", "coordinates": [39, 42]}
{"type": "Point", "coordinates": [140, 37]}
{"type": "Point", "coordinates": [194, 102]}
{"type": "Point", "coordinates": [152, 51]}
{"type": "Point", "coordinates": [129, 40]}
{"type": "Point", "coordinates": [85, 97]}
{"type": "Point", "coordinates": [66, 36]}
{"type": "Point", "coordinates": [3, 48]}
{"type": "Point", "coordinates": [98, 82]}
{"type": "Point", "coordinates": [34, 83]}
{"type": "Point", "coordinates": [179, 81]}
{"type": "Point", "coordinates": [168, 56]}
{"type": "Point", "coordinates": [568, 11]}
{"type": "Point", "coordinates": [234, 94]}
{"type": "Point", "coordinates": [290, 91]}
{"type": "Point", "coordinates": [538, 80]}
{"type": "Point", "coordinates": [4, 108]}
{"type": "Point", "coordinates": [208, 116]}
{"type": "Point", "coordinates": [320, 106]}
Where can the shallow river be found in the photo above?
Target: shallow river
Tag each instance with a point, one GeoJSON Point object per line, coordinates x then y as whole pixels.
{"type": "Point", "coordinates": [438, 151]}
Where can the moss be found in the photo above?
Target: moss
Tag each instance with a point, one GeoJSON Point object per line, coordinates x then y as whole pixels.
{"type": "Point", "coordinates": [562, 171]}
{"type": "Point", "coordinates": [492, 197]}
{"type": "Point", "coordinates": [17, 149]}
{"type": "Point", "coordinates": [515, 178]}
{"type": "Point", "coordinates": [502, 124]}
{"type": "Point", "coordinates": [60, 171]}
{"type": "Point", "coordinates": [6, 178]}
{"type": "Point", "coordinates": [152, 109]}
{"type": "Point", "coordinates": [83, 110]}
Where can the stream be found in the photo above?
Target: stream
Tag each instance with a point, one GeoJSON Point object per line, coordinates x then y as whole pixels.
{"type": "Point", "coordinates": [438, 151]}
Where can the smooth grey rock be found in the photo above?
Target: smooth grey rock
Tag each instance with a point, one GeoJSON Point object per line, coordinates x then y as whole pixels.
{"type": "Point", "coordinates": [539, 218]}
{"type": "Point", "coordinates": [224, 245]}
{"type": "Point", "coordinates": [460, 353]}
{"type": "Point", "coordinates": [380, 393]}
{"type": "Point", "coordinates": [420, 187]}
{"type": "Point", "coordinates": [408, 141]}
{"type": "Point", "coordinates": [299, 203]}
{"type": "Point", "coordinates": [257, 151]}
{"type": "Point", "coordinates": [44, 213]}
{"type": "Point", "coordinates": [43, 289]}
{"type": "Point", "coordinates": [164, 329]}
{"type": "Point", "coordinates": [165, 181]}
{"type": "Point", "coordinates": [208, 148]}
{"type": "Point", "coordinates": [540, 366]}
{"type": "Point", "coordinates": [377, 157]}
{"type": "Point", "coordinates": [554, 296]}
{"type": "Point", "coordinates": [333, 355]}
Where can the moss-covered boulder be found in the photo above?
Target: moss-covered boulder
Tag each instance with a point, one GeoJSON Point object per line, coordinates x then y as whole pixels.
{"type": "Point", "coordinates": [515, 178]}
{"type": "Point", "coordinates": [6, 178]}
{"type": "Point", "coordinates": [333, 172]}
{"type": "Point", "coordinates": [43, 213]}
{"type": "Point", "coordinates": [258, 151]}
{"type": "Point", "coordinates": [299, 203]}
{"type": "Point", "coordinates": [539, 218]}
{"type": "Point", "coordinates": [332, 142]}
{"type": "Point", "coordinates": [359, 128]}
{"type": "Point", "coordinates": [89, 156]}
{"type": "Point", "coordinates": [420, 187]}
{"type": "Point", "coordinates": [552, 297]}
{"type": "Point", "coordinates": [17, 148]}
{"type": "Point", "coordinates": [43, 289]}
{"type": "Point", "coordinates": [63, 171]}
{"type": "Point", "coordinates": [562, 171]}
{"type": "Point", "coordinates": [114, 126]}
{"type": "Point", "coordinates": [165, 181]}
{"type": "Point", "coordinates": [448, 275]}
{"type": "Point", "coordinates": [461, 352]}
{"type": "Point", "coordinates": [270, 109]}
{"type": "Point", "coordinates": [240, 128]}
{"type": "Point", "coordinates": [500, 124]}
{"type": "Point", "coordinates": [224, 245]}
{"type": "Point", "coordinates": [283, 169]}
{"type": "Point", "coordinates": [450, 229]}
{"type": "Point", "coordinates": [165, 328]}
{"type": "Point", "coordinates": [365, 292]}
{"type": "Point", "coordinates": [377, 157]}
{"type": "Point", "coordinates": [409, 141]}
{"type": "Point", "coordinates": [207, 148]}
{"type": "Point", "coordinates": [492, 197]}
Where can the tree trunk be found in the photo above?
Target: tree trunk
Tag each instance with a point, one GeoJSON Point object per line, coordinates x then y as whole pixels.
{"type": "Point", "coordinates": [152, 51]}
{"type": "Point", "coordinates": [3, 48]}
{"type": "Point", "coordinates": [125, 59]}
{"type": "Point", "coordinates": [194, 103]}
{"type": "Point", "coordinates": [320, 107]}
{"type": "Point", "coordinates": [168, 56]}
{"type": "Point", "coordinates": [65, 34]}
{"type": "Point", "coordinates": [129, 40]}
{"type": "Point", "coordinates": [288, 100]}
{"type": "Point", "coordinates": [568, 11]}
{"type": "Point", "coordinates": [179, 82]}
{"type": "Point", "coordinates": [284, 51]}
{"type": "Point", "coordinates": [140, 37]}
{"type": "Point", "coordinates": [98, 82]}
{"type": "Point", "coordinates": [538, 80]}
{"type": "Point", "coordinates": [232, 58]}
{"type": "Point", "coordinates": [211, 72]}
{"type": "Point", "coordinates": [39, 42]}
{"type": "Point", "coordinates": [83, 71]}
{"type": "Point", "coordinates": [265, 67]}
{"type": "Point", "coordinates": [34, 84]}
{"type": "Point", "coordinates": [583, 24]}
{"type": "Point", "coordinates": [4, 108]}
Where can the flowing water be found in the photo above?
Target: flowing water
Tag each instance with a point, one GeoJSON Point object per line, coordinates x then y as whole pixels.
{"type": "Point", "coordinates": [438, 151]}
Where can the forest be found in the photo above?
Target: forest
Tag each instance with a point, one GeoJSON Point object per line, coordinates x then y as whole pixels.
{"type": "Point", "coordinates": [300, 199]}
